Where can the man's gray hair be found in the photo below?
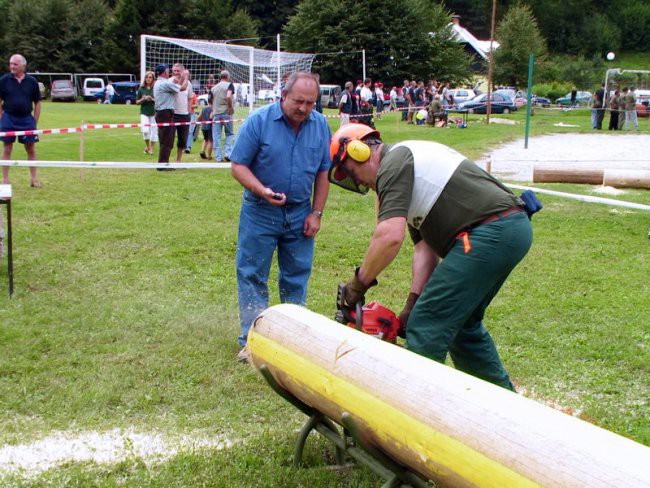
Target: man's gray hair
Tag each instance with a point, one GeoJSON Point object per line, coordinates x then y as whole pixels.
{"type": "Point", "coordinates": [300, 75]}
{"type": "Point", "coordinates": [21, 58]}
{"type": "Point", "coordinates": [225, 74]}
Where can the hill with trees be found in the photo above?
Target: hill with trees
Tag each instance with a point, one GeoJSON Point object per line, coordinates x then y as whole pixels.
{"type": "Point", "coordinates": [401, 39]}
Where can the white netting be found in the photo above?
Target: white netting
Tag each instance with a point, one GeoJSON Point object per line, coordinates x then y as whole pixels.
{"type": "Point", "coordinates": [247, 65]}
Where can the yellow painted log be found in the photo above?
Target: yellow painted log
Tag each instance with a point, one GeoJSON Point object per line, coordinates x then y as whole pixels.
{"type": "Point", "coordinates": [445, 425]}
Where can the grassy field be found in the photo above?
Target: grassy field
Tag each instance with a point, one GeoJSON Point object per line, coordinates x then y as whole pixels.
{"type": "Point", "coordinates": [125, 311]}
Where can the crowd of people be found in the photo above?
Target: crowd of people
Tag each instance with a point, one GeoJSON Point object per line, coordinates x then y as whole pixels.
{"type": "Point", "coordinates": [621, 106]}
{"type": "Point", "coordinates": [420, 104]}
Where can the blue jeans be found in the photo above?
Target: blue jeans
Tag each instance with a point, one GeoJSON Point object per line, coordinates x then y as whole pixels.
{"type": "Point", "coordinates": [191, 136]}
{"type": "Point", "coordinates": [264, 228]}
{"type": "Point", "coordinates": [225, 121]}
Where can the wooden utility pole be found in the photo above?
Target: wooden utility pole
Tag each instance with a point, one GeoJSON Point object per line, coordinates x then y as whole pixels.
{"type": "Point", "coordinates": [491, 60]}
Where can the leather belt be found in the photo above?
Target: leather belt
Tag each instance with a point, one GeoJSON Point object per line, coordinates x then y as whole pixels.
{"type": "Point", "coordinates": [499, 215]}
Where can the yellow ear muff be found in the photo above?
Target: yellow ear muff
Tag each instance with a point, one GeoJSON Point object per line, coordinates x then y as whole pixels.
{"type": "Point", "coordinates": [358, 150]}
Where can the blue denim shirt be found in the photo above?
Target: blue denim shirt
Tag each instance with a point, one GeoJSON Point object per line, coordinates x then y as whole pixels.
{"type": "Point", "coordinates": [279, 157]}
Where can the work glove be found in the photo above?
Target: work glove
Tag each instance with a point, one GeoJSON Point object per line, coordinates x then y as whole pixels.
{"type": "Point", "coordinates": [406, 312]}
{"type": "Point", "coordinates": [355, 291]}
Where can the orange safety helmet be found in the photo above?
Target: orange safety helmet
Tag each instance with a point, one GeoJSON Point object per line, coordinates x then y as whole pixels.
{"type": "Point", "coordinates": [348, 142]}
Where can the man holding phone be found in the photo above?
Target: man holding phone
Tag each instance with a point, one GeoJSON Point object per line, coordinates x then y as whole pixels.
{"type": "Point", "coordinates": [281, 158]}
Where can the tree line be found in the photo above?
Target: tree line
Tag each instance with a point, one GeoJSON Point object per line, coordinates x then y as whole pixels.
{"type": "Point", "coordinates": [404, 39]}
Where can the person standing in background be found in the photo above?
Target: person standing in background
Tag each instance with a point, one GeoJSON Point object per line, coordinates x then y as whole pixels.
{"type": "Point", "coordinates": [347, 104]}
{"type": "Point", "coordinates": [20, 111]}
{"type": "Point", "coordinates": [110, 93]}
{"type": "Point", "coordinates": [222, 111]}
{"type": "Point", "coordinates": [164, 91]}
{"type": "Point", "coordinates": [630, 110]}
{"type": "Point", "coordinates": [145, 99]}
{"type": "Point", "coordinates": [182, 110]}
{"type": "Point", "coordinates": [614, 105]}
{"type": "Point", "coordinates": [205, 118]}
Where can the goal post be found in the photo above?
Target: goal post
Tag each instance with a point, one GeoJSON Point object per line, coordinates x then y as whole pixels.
{"type": "Point", "coordinates": [616, 78]}
{"type": "Point", "coordinates": [255, 72]}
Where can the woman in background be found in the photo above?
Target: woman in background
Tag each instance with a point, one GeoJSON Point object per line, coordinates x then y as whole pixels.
{"type": "Point", "coordinates": [145, 99]}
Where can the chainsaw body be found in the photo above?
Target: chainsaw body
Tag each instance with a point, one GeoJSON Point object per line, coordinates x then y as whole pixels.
{"type": "Point", "coordinates": [373, 319]}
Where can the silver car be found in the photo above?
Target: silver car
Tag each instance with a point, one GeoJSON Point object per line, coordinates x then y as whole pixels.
{"type": "Point", "coordinates": [63, 91]}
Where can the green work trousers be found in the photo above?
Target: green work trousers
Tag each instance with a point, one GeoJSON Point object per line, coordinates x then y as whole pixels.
{"type": "Point", "coordinates": [448, 316]}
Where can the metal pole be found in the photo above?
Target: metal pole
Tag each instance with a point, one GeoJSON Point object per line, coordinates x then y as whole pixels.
{"type": "Point", "coordinates": [143, 56]}
{"type": "Point", "coordinates": [363, 54]}
{"type": "Point", "coordinates": [491, 61]}
{"type": "Point", "coordinates": [251, 79]}
{"type": "Point", "coordinates": [278, 64]}
{"type": "Point", "coordinates": [529, 96]}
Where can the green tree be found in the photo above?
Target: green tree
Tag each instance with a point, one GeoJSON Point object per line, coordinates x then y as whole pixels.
{"type": "Point", "coordinates": [410, 39]}
{"type": "Point", "coordinates": [25, 34]}
{"type": "Point", "coordinates": [518, 36]}
{"type": "Point", "coordinates": [269, 16]}
{"type": "Point", "coordinates": [632, 18]}
{"type": "Point", "coordinates": [204, 19]}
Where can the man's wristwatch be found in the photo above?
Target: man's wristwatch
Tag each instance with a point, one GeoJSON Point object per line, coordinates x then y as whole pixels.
{"type": "Point", "coordinates": [317, 213]}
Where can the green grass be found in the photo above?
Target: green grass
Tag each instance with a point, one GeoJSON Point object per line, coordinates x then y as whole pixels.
{"type": "Point", "coordinates": [125, 311]}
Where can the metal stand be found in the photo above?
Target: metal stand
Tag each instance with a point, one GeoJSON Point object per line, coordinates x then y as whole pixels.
{"type": "Point", "coordinates": [349, 441]}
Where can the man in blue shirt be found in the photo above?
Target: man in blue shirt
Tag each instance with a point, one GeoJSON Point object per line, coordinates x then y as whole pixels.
{"type": "Point", "coordinates": [281, 158]}
{"type": "Point", "coordinates": [20, 95]}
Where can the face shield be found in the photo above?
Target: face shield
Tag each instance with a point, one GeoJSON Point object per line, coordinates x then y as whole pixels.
{"type": "Point", "coordinates": [342, 177]}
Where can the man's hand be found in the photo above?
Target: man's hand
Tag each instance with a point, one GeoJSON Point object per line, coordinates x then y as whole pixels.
{"type": "Point", "coordinates": [274, 198]}
{"type": "Point", "coordinates": [311, 226]}
{"type": "Point", "coordinates": [355, 290]}
{"type": "Point", "coordinates": [406, 313]}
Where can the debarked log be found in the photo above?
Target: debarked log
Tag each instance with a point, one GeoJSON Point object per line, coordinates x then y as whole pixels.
{"type": "Point", "coordinates": [445, 425]}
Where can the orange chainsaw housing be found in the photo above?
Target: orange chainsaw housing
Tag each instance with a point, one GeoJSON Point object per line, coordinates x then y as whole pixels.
{"type": "Point", "coordinates": [376, 320]}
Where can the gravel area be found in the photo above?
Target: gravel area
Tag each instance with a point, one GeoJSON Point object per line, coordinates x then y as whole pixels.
{"type": "Point", "coordinates": [511, 162]}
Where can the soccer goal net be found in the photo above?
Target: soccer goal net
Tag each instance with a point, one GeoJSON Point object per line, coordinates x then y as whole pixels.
{"type": "Point", "coordinates": [256, 73]}
{"type": "Point", "coordinates": [637, 79]}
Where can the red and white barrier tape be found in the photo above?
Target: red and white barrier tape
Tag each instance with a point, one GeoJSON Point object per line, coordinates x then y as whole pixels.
{"type": "Point", "coordinates": [84, 127]}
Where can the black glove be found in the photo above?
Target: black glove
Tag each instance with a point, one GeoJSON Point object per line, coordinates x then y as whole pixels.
{"type": "Point", "coordinates": [406, 312]}
{"type": "Point", "coordinates": [355, 291]}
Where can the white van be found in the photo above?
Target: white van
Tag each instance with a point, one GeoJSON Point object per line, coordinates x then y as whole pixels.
{"type": "Point", "coordinates": [330, 95]}
{"type": "Point", "coordinates": [92, 86]}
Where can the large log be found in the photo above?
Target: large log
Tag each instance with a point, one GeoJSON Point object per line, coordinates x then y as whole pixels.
{"type": "Point", "coordinates": [627, 178]}
{"type": "Point", "coordinates": [446, 425]}
{"type": "Point", "coordinates": [571, 175]}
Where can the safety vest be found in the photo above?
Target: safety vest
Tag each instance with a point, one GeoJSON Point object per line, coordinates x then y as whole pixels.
{"type": "Point", "coordinates": [434, 165]}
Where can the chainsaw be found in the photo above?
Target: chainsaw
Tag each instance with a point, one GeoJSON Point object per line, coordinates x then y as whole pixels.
{"type": "Point", "coordinates": [373, 319]}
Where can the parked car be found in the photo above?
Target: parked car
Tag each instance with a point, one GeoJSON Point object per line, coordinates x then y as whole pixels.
{"type": "Point", "coordinates": [501, 104]}
{"type": "Point", "coordinates": [91, 87]}
{"type": "Point", "coordinates": [330, 95]}
{"type": "Point", "coordinates": [461, 95]}
{"type": "Point", "coordinates": [582, 98]}
{"type": "Point", "coordinates": [63, 91]}
{"type": "Point", "coordinates": [125, 92]}
{"type": "Point", "coordinates": [642, 109]}
{"type": "Point", "coordinates": [543, 101]}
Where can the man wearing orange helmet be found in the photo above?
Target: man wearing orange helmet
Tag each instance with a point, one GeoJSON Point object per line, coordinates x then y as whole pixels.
{"type": "Point", "coordinates": [453, 210]}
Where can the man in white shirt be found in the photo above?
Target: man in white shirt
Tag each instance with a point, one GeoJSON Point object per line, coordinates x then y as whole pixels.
{"type": "Point", "coordinates": [182, 110]}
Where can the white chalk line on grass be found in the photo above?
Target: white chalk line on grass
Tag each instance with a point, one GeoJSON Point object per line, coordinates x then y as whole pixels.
{"type": "Point", "coordinates": [114, 446]}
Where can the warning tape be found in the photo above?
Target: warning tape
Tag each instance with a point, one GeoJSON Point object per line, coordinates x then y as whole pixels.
{"type": "Point", "coordinates": [85, 127]}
